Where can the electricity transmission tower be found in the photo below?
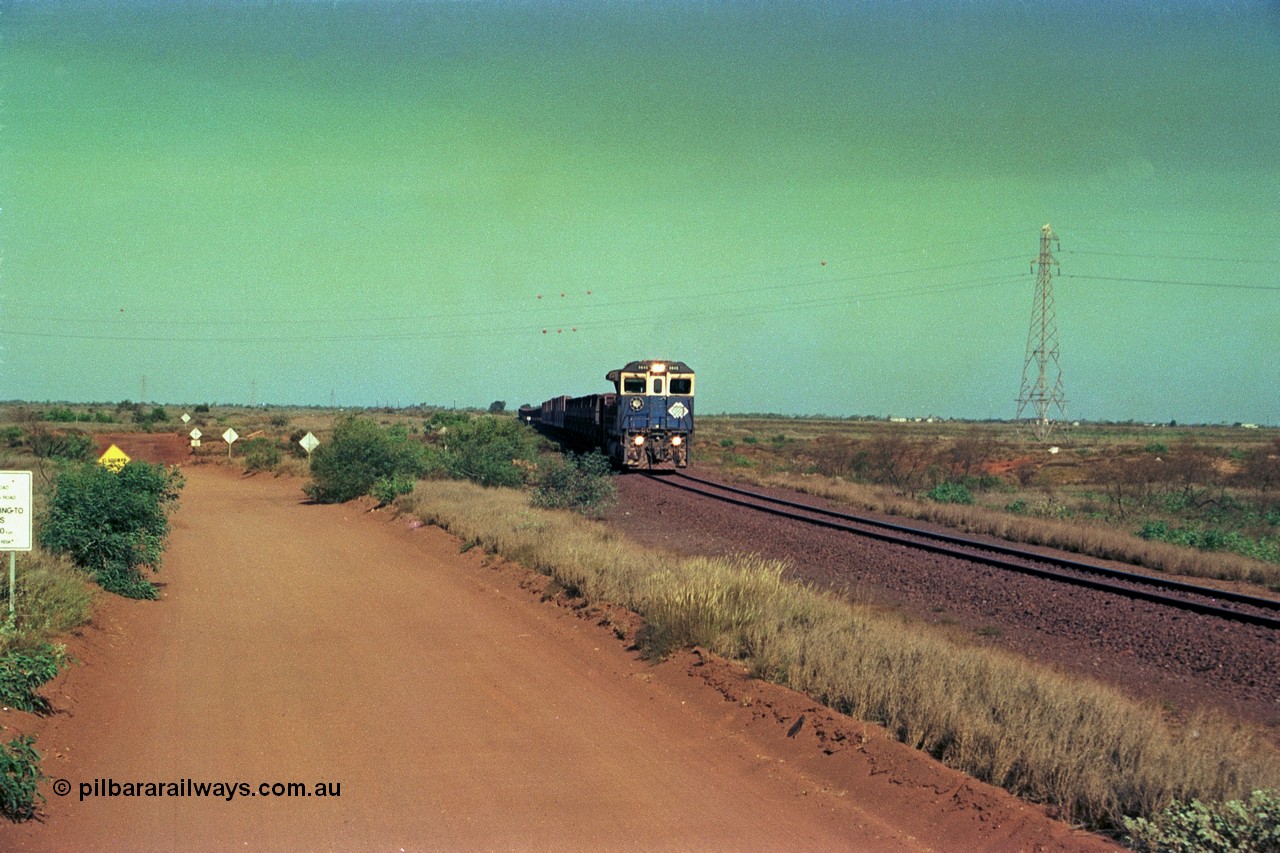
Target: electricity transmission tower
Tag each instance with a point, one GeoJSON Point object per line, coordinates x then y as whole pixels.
{"type": "Point", "coordinates": [1041, 373]}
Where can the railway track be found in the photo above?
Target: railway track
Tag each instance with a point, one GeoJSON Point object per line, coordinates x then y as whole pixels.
{"type": "Point", "coordinates": [1223, 604]}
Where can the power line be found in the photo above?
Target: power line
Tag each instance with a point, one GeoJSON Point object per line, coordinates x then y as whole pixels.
{"type": "Point", "coordinates": [1175, 257]}
{"type": "Point", "coordinates": [1197, 232]}
{"type": "Point", "coordinates": [605, 303]}
{"type": "Point", "coordinates": [712, 312]}
{"type": "Point", "coordinates": [1173, 282]}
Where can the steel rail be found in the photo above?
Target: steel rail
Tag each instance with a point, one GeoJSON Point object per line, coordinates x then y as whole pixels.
{"type": "Point", "coordinates": [948, 544]}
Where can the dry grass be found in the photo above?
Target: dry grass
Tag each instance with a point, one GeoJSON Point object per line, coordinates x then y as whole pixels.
{"type": "Point", "coordinates": [1082, 536]}
{"type": "Point", "coordinates": [51, 598]}
{"type": "Point", "coordinates": [1091, 497]}
{"type": "Point", "coordinates": [1088, 750]}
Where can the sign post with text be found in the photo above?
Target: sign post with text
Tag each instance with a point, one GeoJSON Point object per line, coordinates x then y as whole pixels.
{"type": "Point", "coordinates": [15, 520]}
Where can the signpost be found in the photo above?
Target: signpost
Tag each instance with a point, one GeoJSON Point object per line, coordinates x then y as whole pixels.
{"type": "Point", "coordinates": [195, 437]}
{"type": "Point", "coordinates": [230, 437]}
{"type": "Point", "coordinates": [15, 520]}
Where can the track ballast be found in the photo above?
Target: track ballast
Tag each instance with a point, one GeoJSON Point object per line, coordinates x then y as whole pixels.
{"type": "Point", "coordinates": [1247, 609]}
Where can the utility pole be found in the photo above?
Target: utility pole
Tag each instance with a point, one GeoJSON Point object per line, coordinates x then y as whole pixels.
{"type": "Point", "coordinates": [1041, 373]}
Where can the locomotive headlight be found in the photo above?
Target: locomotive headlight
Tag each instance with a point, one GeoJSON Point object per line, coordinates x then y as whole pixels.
{"type": "Point", "coordinates": [657, 368]}
{"type": "Point", "coordinates": [638, 440]}
{"type": "Point", "coordinates": [677, 440]}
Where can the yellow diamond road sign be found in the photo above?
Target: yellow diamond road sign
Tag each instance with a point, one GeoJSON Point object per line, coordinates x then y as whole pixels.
{"type": "Point", "coordinates": [114, 458]}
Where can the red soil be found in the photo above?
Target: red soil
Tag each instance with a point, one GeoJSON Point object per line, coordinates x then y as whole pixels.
{"type": "Point", "coordinates": [455, 710]}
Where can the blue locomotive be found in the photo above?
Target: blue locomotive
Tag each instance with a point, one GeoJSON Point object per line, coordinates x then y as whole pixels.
{"type": "Point", "coordinates": [646, 423]}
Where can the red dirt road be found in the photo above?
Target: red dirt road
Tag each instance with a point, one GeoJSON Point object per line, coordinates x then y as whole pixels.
{"type": "Point", "coordinates": [324, 644]}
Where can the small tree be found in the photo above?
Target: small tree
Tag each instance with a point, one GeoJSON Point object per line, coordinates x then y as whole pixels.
{"type": "Point", "coordinates": [497, 407]}
{"type": "Point", "coordinates": [490, 451]}
{"type": "Point", "coordinates": [361, 454]}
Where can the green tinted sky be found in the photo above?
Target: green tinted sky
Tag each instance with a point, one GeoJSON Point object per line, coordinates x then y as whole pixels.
{"type": "Point", "coordinates": [384, 201]}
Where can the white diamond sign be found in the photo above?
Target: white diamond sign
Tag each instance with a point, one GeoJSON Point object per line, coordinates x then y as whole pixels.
{"type": "Point", "coordinates": [186, 419]}
{"type": "Point", "coordinates": [309, 443]}
{"type": "Point", "coordinates": [196, 433]}
{"type": "Point", "coordinates": [230, 435]}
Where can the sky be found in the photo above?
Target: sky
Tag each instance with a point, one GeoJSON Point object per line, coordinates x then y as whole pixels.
{"type": "Point", "coordinates": [821, 207]}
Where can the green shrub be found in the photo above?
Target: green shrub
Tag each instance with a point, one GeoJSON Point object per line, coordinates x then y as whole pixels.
{"type": "Point", "coordinates": [950, 493]}
{"type": "Point", "coordinates": [1262, 548]}
{"type": "Point", "coordinates": [21, 672]}
{"type": "Point", "coordinates": [113, 524]}
{"type": "Point", "coordinates": [261, 454]}
{"type": "Point", "coordinates": [490, 451]}
{"type": "Point", "coordinates": [19, 777]}
{"type": "Point", "coordinates": [446, 420]}
{"type": "Point", "coordinates": [387, 489]}
{"type": "Point", "coordinates": [1190, 828]}
{"type": "Point", "coordinates": [359, 454]}
{"type": "Point", "coordinates": [580, 483]}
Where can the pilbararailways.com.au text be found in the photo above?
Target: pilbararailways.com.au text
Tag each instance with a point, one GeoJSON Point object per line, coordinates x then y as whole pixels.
{"type": "Point", "coordinates": [190, 788]}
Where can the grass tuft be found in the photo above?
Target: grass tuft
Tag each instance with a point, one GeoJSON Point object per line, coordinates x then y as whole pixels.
{"type": "Point", "coordinates": [1086, 749]}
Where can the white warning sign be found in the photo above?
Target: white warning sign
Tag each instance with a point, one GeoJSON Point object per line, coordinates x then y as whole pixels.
{"type": "Point", "coordinates": [15, 510]}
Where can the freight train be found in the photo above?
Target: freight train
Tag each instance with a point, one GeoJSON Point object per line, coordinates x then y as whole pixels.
{"type": "Point", "coordinates": [646, 423]}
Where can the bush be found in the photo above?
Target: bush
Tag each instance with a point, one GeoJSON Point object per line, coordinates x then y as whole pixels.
{"type": "Point", "coordinates": [113, 524]}
{"type": "Point", "coordinates": [1232, 826]}
{"type": "Point", "coordinates": [950, 493]}
{"type": "Point", "coordinates": [261, 454]}
{"type": "Point", "coordinates": [580, 483]}
{"type": "Point", "coordinates": [1212, 539]}
{"type": "Point", "coordinates": [387, 489]}
{"type": "Point", "coordinates": [490, 451]}
{"type": "Point", "coordinates": [22, 672]}
{"type": "Point", "coordinates": [359, 455]}
{"type": "Point", "coordinates": [19, 775]}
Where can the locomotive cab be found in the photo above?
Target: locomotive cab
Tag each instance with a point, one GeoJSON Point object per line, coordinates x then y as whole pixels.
{"type": "Point", "coordinates": [652, 422]}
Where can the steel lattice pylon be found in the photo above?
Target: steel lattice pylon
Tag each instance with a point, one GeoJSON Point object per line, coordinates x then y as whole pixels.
{"type": "Point", "coordinates": [1041, 373]}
